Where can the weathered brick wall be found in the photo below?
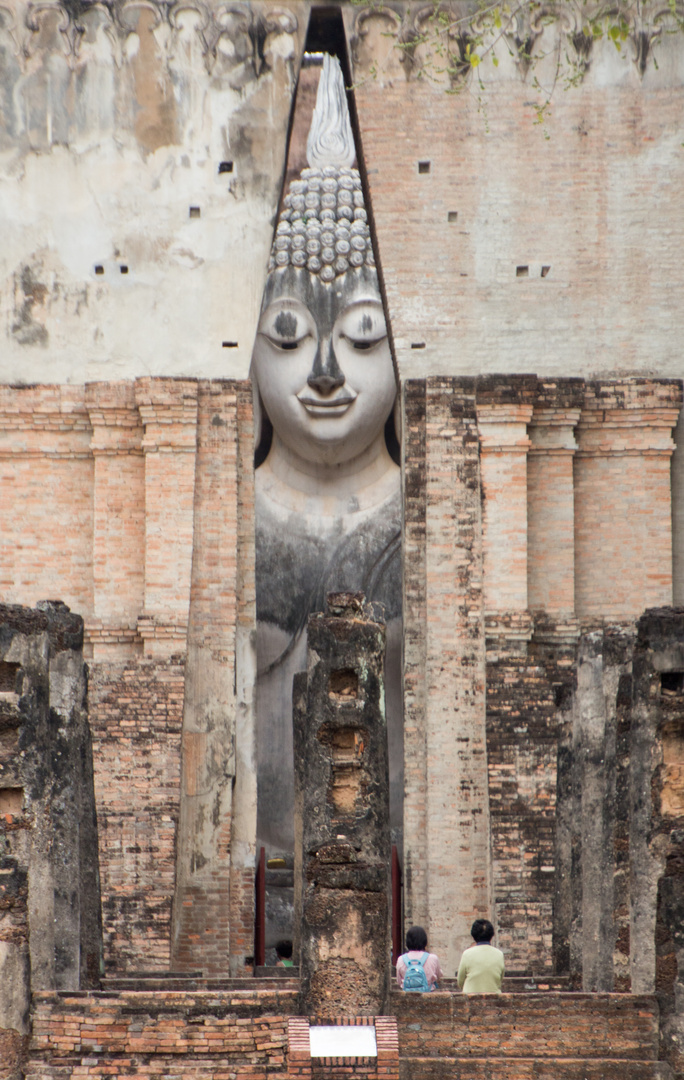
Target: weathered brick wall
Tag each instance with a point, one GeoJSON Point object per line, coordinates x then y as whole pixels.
{"type": "Point", "coordinates": [446, 819]}
{"type": "Point", "coordinates": [623, 527]}
{"type": "Point", "coordinates": [522, 751]}
{"type": "Point", "coordinates": [530, 1025]}
{"type": "Point", "coordinates": [46, 485]}
{"type": "Point", "coordinates": [596, 202]}
{"type": "Point", "coordinates": [136, 710]}
{"type": "Point", "coordinates": [203, 1035]}
{"type": "Point", "coordinates": [214, 905]}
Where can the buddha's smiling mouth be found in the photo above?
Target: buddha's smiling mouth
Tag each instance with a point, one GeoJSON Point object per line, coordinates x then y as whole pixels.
{"type": "Point", "coordinates": [330, 406]}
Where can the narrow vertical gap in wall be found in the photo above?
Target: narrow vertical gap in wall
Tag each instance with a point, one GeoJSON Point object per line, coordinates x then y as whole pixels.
{"type": "Point", "coordinates": [326, 34]}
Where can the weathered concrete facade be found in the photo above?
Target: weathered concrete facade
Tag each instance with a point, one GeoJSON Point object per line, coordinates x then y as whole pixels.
{"type": "Point", "coordinates": [531, 289]}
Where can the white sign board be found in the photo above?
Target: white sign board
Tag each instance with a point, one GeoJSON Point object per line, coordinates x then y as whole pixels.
{"type": "Point", "coordinates": [343, 1041]}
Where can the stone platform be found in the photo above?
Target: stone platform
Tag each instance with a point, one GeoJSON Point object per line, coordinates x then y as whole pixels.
{"type": "Point", "coordinates": [242, 1034]}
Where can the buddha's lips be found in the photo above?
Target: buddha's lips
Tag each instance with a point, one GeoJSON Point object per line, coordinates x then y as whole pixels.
{"type": "Point", "coordinates": [341, 403]}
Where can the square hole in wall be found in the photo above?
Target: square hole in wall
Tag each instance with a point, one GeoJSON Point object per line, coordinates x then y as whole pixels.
{"type": "Point", "coordinates": [8, 677]}
{"type": "Point", "coordinates": [545, 271]}
{"type": "Point", "coordinates": [522, 271]}
{"type": "Point", "coordinates": [423, 166]}
{"type": "Point", "coordinates": [225, 167]}
{"type": "Point", "coordinates": [344, 685]}
{"type": "Point", "coordinates": [195, 212]}
{"type": "Point", "coordinates": [452, 215]}
{"type": "Point", "coordinates": [123, 268]}
{"type": "Point", "coordinates": [11, 801]}
{"type": "Point", "coordinates": [672, 682]}
{"type": "Point", "coordinates": [99, 269]}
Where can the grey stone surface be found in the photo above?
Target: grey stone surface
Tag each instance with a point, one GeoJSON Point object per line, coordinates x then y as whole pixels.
{"type": "Point", "coordinates": [342, 853]}
{"type": "Point", "coordinates": [50, 920]}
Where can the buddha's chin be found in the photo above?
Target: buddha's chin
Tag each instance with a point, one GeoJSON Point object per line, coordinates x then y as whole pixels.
{"type": "Point", "coordinates": [331, 444]}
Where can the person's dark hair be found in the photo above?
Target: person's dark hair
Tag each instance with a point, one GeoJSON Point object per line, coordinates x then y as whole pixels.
{"type": "Point", "coordinates": [416, 939]}
{"type": "Point", "coordinates": [284, 950]}
{"type": "Point", "coordinates": [482, 930]}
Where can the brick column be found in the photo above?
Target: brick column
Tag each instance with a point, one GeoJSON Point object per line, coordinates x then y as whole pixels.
{"type": "Point", "coordinates": [168, 408]}
{"type": "Point", "coordinates": [118, 520]}
{"type": "Point", "coordinates": [215, 849]}
{"type": "Point", "coordinates": [446, 817]}
{"type": "Point", "coordinates": [298, 1048]}
{"type": "Point", "coordinates": [623, 512]}
{"type": "Point", "coordinates": [550, 500]}
{"type": "Point", "coordinates": [504, 444]}
{"type": "Point", "coordinates": [387, 1038]}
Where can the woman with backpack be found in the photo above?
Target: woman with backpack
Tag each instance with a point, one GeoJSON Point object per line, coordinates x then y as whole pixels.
{"type": "Point", "coordinates": [417, 969]}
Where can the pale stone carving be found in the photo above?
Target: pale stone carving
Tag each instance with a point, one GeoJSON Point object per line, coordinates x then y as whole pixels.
{"type": "Point", "coordinates": [328, 498]}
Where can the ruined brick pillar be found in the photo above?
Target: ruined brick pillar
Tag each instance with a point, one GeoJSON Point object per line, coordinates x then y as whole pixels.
{"type": "Point", "coordinates": [623, 512]}
{"type": "Point", "coordinates": [118, 519]}
{"type": "Point", "coordinates": [550, 499]}
{"type": "Point", "coordinates": [50, 916]}
{"type": "Point", "coordinates": [447, 871]}
{"type": "Point", "coordinates": [342, 835]}
{"type": "Point", "coordinates": [502, 419]}
{"type": "Point", "coordinates": [168, 408]}
{"type": "Point", "coordinates": [213, 916]}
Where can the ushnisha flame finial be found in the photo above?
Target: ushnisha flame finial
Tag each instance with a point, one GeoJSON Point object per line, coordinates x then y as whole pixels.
{"type": "Point", "coordinates": [323, 226]}
{"type": "Point", "coordinates": [330, 140]}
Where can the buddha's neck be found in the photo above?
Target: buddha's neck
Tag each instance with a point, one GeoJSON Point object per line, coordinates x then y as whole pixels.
{"type": "Point", "coordinates": [369, 478]}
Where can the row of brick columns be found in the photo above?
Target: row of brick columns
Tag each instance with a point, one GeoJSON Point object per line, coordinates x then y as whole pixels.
{"type": "Point", "coordinates": [577, 506]}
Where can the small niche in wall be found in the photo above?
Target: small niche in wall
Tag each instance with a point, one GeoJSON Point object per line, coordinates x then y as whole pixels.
{"type": "Point", "coordinates": [11, 801]}
{"type": "Point", "coordinates": [99, 269]}
{"type": "Point", "coordinates": [417, 344]}
{"type": "Point", "coordinates": [123, 268]}
{"type": "Point", "coordinates": [672, 682]}
{"type": "Point", "coordinates": [452, 215]}
{"type": "Point", "coordinates": [229, 344]}
{"type": "Point", "coordinates": [195, 212]}
{"type": "Point", "coordinates": [8, 677]}
{"type": "Point", "coordinates": [225, 167]}
{"type": "Point", "coordinates": [423, 167]}
{"type": "Point", "coordinates": [522, 271]}
{"type": "Point", "coordinates": [545, 270]}
{"type": "Point", "coordinates": [344, 685]}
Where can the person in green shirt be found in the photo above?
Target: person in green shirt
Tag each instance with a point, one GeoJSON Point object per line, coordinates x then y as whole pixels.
{"type": "Point", "coordinates": [482, 966]}
{"type": "Point", "coordinates": [284, 954]}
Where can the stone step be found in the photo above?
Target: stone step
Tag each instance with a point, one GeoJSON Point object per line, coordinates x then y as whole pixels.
{"type": "Point", "coordinates": [491, 1068]}
{"type": "Point", "coordinates": [188, 983]}
{"type": "Point", "coordinates": [523, 984]}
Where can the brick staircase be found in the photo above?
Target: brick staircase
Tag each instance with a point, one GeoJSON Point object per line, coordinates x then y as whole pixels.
{"type": "Point", "coordinates": [185, 1026]}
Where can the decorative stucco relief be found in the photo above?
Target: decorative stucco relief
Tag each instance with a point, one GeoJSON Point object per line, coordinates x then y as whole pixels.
{"type": "Point", "coordinates": [437, 40]}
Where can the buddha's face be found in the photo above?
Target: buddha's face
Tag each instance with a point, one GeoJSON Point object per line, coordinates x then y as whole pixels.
{"type": "Point", "coordinates": [322, 363]}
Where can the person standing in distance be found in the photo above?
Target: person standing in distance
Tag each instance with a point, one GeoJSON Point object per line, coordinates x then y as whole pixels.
{"type": "Point", "coordinates": [418, 969]}
{"type": "Point", "coordinates": [482, 965]}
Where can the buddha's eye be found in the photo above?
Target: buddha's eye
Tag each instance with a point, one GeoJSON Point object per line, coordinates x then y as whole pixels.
{"type": "Point", "coordinates": [285, 329]}
{"type": "Point", "coordinates": [363, 346]}
{"type": "Point", "coordinates": [286, 346]}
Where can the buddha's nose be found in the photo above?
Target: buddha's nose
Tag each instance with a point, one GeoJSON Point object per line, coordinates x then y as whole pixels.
{"type": "Point", "coordinates": [325, 375]}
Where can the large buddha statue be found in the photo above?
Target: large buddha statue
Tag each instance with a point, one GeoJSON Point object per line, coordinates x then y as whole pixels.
{"type": "Point", "coordinates": [328, 502]}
